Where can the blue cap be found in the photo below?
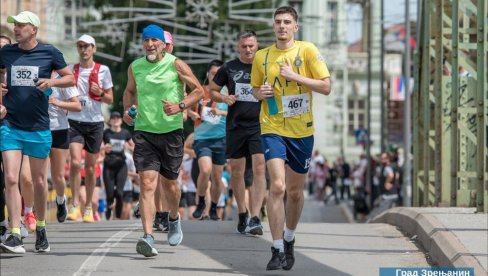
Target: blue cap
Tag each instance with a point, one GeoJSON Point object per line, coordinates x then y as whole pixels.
{"type": "Point", "coordinates": [153, 31]}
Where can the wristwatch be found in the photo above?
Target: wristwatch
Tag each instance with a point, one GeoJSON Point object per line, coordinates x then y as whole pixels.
{"type": "Point", "coordinates": [182, 106]}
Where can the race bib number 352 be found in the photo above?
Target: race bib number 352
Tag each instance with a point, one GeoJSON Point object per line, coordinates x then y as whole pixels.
{"type": "Point", "coordinates": [23, 75]}
{"type": "Point", "coordinates": [244, 93]}
{"type": "Point", "coordinates": [295, 105]}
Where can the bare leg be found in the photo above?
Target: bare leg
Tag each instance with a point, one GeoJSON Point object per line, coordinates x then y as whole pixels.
{"type": "Point", "coordinates": [237, 182]}
{"type": "Point", "coordinates": [11, 165]}
{"type": "Point", "coordinates": [258, 188]}
{"type": "Point", "coordinates": [276, 208]}
{"type": "Point", "coordinates": [149, 181]}
{"type": "Point", "coordinates": [39, 179]}
{"type": "Point", "coordinates": [74, 171]}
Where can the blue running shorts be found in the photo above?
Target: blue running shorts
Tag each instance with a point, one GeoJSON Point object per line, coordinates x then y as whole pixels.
{"type": "Point", "coordinates": [32, 143]}
{"type": "Point", "coordinates": [297, 152]}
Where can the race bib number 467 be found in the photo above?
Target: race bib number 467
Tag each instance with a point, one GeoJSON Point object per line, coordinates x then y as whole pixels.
{"type": "Point", "coordinates": [23, 75]}
{"type": "Point", "coordinates": [295, 105]}
{"type": "Point", "coordinates": [244, 93]}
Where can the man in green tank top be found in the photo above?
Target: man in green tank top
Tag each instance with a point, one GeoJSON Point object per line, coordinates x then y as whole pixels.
{"type": "Point", "coordinates": [155, 85]}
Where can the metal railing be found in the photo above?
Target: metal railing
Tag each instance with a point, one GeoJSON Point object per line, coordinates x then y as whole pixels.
{"type": "Point", "coordinates": [450, 105]}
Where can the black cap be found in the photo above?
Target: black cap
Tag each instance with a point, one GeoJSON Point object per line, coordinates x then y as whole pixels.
{"type": "Point", "coordinates": [115, 114]}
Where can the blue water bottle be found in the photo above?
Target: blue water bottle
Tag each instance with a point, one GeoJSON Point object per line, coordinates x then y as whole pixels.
{"type": "Point", "coordinates": [272, 107]}
{"type": "Point", "coordinates": [46, 92]}
{"type": "Point", "coordinates": [132, 113]}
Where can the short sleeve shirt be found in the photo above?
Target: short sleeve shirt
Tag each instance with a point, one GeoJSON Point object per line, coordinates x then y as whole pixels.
{"type": "Point", "coordinates": [91, 110]}
{"type": "Point", "coordinates": [27, 106]}
{"type": "Point", "coordinates": [117, 140]}
{"type": "Point", "coordinates": [57, 115]}
{"type": "Point", "coordinates": [294, 118]}
{"type": "Point", "coordinates": [244, 113]}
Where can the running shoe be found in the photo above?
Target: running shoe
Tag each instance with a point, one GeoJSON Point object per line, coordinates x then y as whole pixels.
{"type": "Point", "coordinates": [30, 221]}
{"type": "Point", "coordinates": [164, 222]}
{"type": "Point", "coordinates": [74, 213]}
{"type": "Point", "coordinates": [277, 261]}
{"type": "Point", "coordinates": [23, 231]}
{"type": "Point", "coordinates": [137, 214]}
{"type": "Point", "coordinates": [175, 235]}
{"type": "Point", "coordinates": [242, 224]}
{"type": "Point", "coordinates": [3, 234]}
{"type": "Point", "coordinates": [157, 222]}
{"type": "Point", "coordinates": [255, 227]}
{"type": "Point", "coordinates": [42, 245]}
{"type": "Point", "coordinates": [88, 215]}
{"type": "Point", "coordinates": [13, 244]}
{"type": "Point", "coordinates": [96, 216]}
{"type": "Point", "coordinates": [145, 246]}
{"type": "Point", "coordinates": [289, 254]}
{"type": "Point", "coordinates": [62, 211]}
{"type": "Point", "coordinates": [197, 214]}
{"type": "Point", "coordinates": [213, 214]}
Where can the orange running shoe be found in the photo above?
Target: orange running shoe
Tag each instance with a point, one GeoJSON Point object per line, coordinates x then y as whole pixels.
{"type": "Point", "coordinates": [30, 221]}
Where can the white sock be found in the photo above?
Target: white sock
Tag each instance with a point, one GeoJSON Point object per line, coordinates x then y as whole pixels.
{"type": "Point", "coordinates": [60, 199]}
{"type": "Point", "coordinates": [278, 244]}
{"type": "Point", "coordinates": [289, 234]}
{"type": "Point", "coordinates": [27, 210]}
{"type": "Point", "coordinates": [3, 223]}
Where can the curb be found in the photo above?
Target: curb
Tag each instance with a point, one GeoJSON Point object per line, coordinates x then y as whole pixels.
{"type": "Point", "coordinates": [442, 245]}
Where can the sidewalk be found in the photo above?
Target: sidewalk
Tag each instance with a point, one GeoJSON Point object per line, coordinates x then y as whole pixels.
{"type": "Point", "coordinates": [451, 236]}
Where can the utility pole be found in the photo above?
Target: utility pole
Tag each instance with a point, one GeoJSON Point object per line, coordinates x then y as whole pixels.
{"type": "Point", "coordinates": [407, 130]}
{"type": "Point", "coordinates": [382, 79]}
{"type": "Point", "coordinates": [368, 101]}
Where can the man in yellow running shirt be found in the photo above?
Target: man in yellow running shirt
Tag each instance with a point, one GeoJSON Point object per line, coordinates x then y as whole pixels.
{"type": "Point", "coordinates": [283, 76]}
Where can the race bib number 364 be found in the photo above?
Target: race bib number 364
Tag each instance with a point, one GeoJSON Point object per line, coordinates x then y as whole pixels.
{"type": "Point", "coordinates": [23, 75]}
{"type": "Point", "coordinates": [244, 93]}
{"type": "Point", "coordinates": [295, 105]}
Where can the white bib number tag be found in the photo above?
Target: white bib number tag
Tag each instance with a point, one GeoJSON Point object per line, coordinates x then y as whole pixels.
{"type": "Point", "coordinates": [117, 145]}
{"type": "Point", "coordinates": [295, 105]}
{"type": "Point", "coordinates": [209, 117]}
{"type": "Point", "coordinates": [24, 75]}
{"type": "Point", "coordinates": [85, 102]}
{"type": "Point", "coordinates": [244, 93]}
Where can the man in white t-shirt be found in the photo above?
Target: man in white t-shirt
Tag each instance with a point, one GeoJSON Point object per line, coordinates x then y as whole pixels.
{"type": "Point", "coordinates": [94, 84]}
{"type": "Point", "coordinates": [60, 101]}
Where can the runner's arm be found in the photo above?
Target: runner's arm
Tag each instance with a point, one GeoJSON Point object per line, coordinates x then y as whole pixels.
{"type": "Point", "coordinates": [108, 96]}
{"type": "Point", "coordinates": [130, 96]}
{"type": "Point", "coordinates": [72, 104]}
{"type": "Point", "coordinates": [186, 75]}
{"type": "Point", "coordinates": [67, 79]}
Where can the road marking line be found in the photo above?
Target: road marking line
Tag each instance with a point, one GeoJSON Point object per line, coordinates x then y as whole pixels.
{"type": "Point", "coordinates": [91, 263]}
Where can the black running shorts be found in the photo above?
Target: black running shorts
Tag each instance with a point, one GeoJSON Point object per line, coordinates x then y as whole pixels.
{"type": "Point", "coordinates": [159, 152]}
{"type": "Point", "coordinates": [243, 143]}
{"type": "Point", "coordinates": [90, 135]}
{"type": "Point", "coordinates": [60, 139]}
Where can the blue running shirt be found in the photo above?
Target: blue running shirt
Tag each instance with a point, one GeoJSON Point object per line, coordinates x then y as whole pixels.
{"type": "Point", "coordinates": [27, 106]}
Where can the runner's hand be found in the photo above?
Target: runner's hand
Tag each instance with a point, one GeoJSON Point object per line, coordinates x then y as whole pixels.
{"type": "Point", "coordinates": [4, 89]}
{"type": "Point", "coordinates": [265, 91]}
{"type": "Point", "coordinates": [170, 108]}
{"type": "Point", "coordinates": [43, 84]}
{"type": "Point", "coordinates": [52, 100]}
{"type": "Point", "coordinates": [286, 71]}
{"type": "Point", "coordinates": [108, 148]}
{"type": "Point", "coordinates": [229, 99]}
{"type": "Point", "coordinates": [3, 111]}
{"type": "Point", "coordinates": [95, 89]}
{"type": "Point", "coordinates": [128, 119]}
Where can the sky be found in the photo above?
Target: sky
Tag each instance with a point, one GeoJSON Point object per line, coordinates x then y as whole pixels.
{"type": "Point", "coordinates": [394, 13]}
